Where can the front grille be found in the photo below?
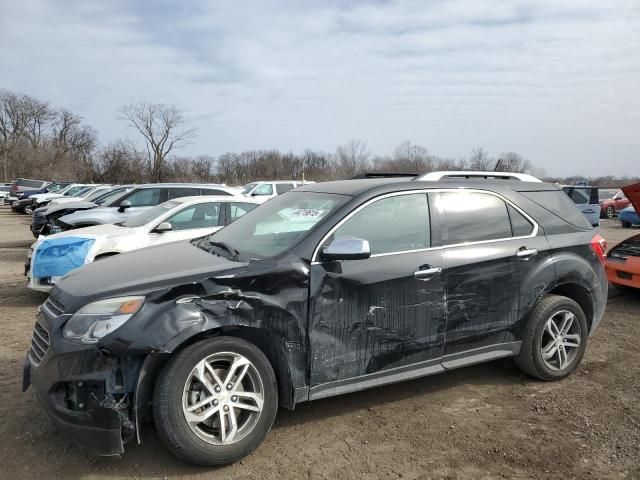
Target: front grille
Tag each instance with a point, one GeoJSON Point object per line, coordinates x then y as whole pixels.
{"type": "Point", "coordinates": [53, 307]}
{"type": "Point", "coordinates": [39, 343]}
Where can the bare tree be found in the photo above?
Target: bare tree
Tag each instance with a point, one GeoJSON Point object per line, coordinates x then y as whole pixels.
{"type": "Point", "coordinates": [352, 157]}
{"type": "Point", "coordinates": [479, 160]}
{"type": "Point", "coordinates": [412, 158]}
{"type": "Point", "coordinates": [161, 126]}
{"type": "Point", "coordinates": [513, 162]}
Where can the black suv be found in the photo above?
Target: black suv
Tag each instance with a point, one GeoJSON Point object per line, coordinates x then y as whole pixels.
{"type": "Point", "coordinates": [327, 289]}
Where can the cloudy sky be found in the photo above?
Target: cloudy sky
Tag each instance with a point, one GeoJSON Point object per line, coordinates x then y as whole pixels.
{"type": "Point", "coordinates": [559, 84]}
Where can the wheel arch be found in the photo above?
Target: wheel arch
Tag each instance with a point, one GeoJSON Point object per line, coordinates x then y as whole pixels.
{"type": "Point", "coordinates": [578, 294]}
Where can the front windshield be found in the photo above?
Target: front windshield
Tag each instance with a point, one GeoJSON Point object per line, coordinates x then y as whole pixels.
{"type": "Point", "coordinates": [248, 187]}
{"type": "Point", "coordinates": [56, 187]}
{"type": "Point", "coordinates": [71, 191]}
{"type": "Point", "coordinates": [276, 225]}
{"type": "Point", "coordinates": [97, 193]}
{"type": "Point", "coordinates": [149, 215]}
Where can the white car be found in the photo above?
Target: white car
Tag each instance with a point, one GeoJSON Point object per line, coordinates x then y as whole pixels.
{"type": "Point", "coordinates": [183, 218]}
{"type": "Point", "coordinates": [263, 191]}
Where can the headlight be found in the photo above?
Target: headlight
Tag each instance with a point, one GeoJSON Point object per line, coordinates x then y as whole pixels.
{"type": "Point", "coordinates": [97, 319]}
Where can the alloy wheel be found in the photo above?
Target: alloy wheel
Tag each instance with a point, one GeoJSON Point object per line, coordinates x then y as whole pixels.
{"type": "Point", "coordinates": [611, 212]}
{"type": "Point", "coordinates": [561, 339]}
{"type": "Point", "coordinates": [223, 398]}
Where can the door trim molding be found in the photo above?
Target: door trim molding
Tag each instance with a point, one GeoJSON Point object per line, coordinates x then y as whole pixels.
{"type": "Point", "coordinates": [416, 370]}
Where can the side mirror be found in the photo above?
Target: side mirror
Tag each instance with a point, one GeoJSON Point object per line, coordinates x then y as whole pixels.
{"type": "Point", "coordinates": [346, 248]}
{"type": "Point", "coordinates": [124, 205]}
{"type": "Point", "coordinates": [163, 227]}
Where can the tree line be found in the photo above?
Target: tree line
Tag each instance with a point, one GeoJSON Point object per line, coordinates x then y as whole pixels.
{"type": "Point", "coordinates": [38, 140]}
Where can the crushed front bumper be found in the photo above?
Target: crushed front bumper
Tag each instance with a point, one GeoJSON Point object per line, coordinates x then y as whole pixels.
{"type": "Point", "coordinates": [82, 389]}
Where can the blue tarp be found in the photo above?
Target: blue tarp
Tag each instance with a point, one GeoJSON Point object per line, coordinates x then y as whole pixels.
{"type": "Point", "coordinates": [58, 256]}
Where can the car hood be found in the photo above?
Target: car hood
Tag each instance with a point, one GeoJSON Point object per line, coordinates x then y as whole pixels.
{"type": "Point", "coordinates": [139, 272]}
{"type": "Point", "coordinates": [108, 230]}
{"type": "Point", "coordinates": [73, 206]}
{"type": "Point", "coordinates": [633, 194]}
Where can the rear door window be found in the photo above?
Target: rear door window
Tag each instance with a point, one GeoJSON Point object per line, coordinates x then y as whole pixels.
{"type": "Point", "coordinates": [237, 209]}
{"type": "Point", "coordinates": [202, 215]}
{"type": "Point", "coordinates": [520, 226]}
{"type": "Point", "coordinates": [473, 217]}
{"type": "Point", "coordinates": [178, 192]}
{"type": "Point", "coordinates": [283, 187]}
{"type": "Point", "coordinates": [145, 197]}
{"type": "Point", "coordinates": [213, 191]}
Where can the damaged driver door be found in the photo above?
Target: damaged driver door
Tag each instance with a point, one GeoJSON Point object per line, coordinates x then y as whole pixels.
{"type": "Point", "coordinates": [382, 317]}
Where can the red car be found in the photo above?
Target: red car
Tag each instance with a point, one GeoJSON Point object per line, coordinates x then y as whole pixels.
{"type": "Point", "coordinates": [623, 260]}
{"type": "Point", "coordinates": [610, 207]}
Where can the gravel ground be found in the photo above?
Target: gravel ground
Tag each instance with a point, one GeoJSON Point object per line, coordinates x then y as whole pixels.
{"type": "Point", "coordinates": [486, 421]}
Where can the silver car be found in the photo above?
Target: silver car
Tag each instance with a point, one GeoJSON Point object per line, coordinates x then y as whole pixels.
{"type": "Point", "coordinates": [139, 199]}
{"type": "Point", "coordinates": [587, 200]}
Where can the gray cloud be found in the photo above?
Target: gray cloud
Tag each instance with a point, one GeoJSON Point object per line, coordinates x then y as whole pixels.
{"type": "Point", "coordinates": [558, 83]}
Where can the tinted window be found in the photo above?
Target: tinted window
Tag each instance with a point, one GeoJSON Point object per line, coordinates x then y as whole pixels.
{"type": "Point", "coordinates": [213, 191]}
{"type": "Point", "coordinates": [238, 209]}
{"type": "Point", "coordinates": [393, 224]}
{"type": "Point", "coordinates": [474, 217]}
{"type": "Point", "coordinates": [520, 226]}
{"type": "Point", "coordinates": [177, 192]}
{"type": "Point", "coordinates": [558, 203]}
{"type": "Point", "coordinates": [145, 197]}
{"type": "Point", "coordinates": [582, 195]}
{"type": "Point", "coordinates": [203, 215]}
{"type": "Point", "coordinates": [283, 187]}
{"type": "Point", "coordinates": [29, 183]}
{"type": "Point", "coordinates": [264, 189]}
{"type": "Point", "coordinates": [73, 190]}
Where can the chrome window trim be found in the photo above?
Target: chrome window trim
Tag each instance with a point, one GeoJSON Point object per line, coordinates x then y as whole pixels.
{"type": "Point", "coordinates": [534, 231]}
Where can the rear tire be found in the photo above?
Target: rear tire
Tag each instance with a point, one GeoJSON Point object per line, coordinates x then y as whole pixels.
{"type": "Point", "coordinates": [626, 224]}
{"type": "Point", "coordinates": [554, 340]}
{"type": "Point", "coordinates": [611, 212]}
{"type": "Point", "coordinates": [249, 404]}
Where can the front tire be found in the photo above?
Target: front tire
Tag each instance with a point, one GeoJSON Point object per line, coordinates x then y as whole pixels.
{"type": "Point", "coordinates": [554, 340]}
{"type": "Point", "coordinates": [215, 401]}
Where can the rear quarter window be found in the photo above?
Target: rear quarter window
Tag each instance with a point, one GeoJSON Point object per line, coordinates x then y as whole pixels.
{"type": "Point", "coordinates": [558, 203]}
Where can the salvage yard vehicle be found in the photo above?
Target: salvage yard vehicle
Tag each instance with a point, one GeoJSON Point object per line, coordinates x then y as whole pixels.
{"type": "Point", "coordinates": [327, 289]}
{"type": "Point", "coordinates": [44, 220]}
{"type": "Point", "coordinates": [610, 207]}
{"type": "Point", "coordinates": [587, 200]}
{"type": "Point", "coordinates": [629, 217]}
{"type": "Point", "coordinates": [4, 193]}
{"type": "Point", "coordinates": [138, 199]}
{"type": "Point", "coordinates": [263, 191]}
{"type": "Point", "coordinates": [623, 260]}
{"type": "Point", "coordinates": [182, 218]}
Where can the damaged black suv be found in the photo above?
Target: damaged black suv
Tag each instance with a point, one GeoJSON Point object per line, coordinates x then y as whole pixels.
{"type": "Point", "coordinates": [327, 289]}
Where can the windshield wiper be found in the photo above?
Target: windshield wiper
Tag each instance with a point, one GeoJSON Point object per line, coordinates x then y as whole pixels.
{"type": "Point", "coordinates": [225, 246]}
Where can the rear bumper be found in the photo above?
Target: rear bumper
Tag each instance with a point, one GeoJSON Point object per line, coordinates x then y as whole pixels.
{"type": "Point", "coordinates": [624, 272]}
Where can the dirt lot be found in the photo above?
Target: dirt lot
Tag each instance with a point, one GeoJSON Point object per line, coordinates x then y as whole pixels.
{"type": "Point", "coordinates": [487, 421]}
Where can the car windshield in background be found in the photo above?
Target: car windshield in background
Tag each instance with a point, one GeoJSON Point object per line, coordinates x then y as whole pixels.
{"type": "Point", "coordinates": [108, 196]}
{"type": "Point", "coordinates": [147, 216]}
{"type": "Point", "coordinates": [277, 224]}
{"type": "Point", "coordinates": [5, 189]}
{"type": "Point", "coordinates": [582, 195]}
{"type": "Point", "coordinates": [248, 187]}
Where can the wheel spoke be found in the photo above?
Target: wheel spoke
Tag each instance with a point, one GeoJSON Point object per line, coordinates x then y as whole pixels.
{"type": "Point", "coordinates": [233, 421]}
{"type": "Point", "coordinates": [200, 373]}
{"type": "Point", "coordinates": [552, 329]}
{"type": "Point", "coordinates": [572, 340]}
{"type": "Point", "coordinates": [238, 363]}
{"type": "Point", "coordinates": [197, 418]}
{"type": "Point", "coordinates": [213, 374]}
{"type": "Point", "coordinates": [200, 404]}
{"type": "Point", "coordinates": [567, 321]}
{"type": "Point", "coordinates": [562, 357]}
{"type": "Point", "coordinates": [223, 427]}
{"type": "Point", "coordinates": [550, 350]}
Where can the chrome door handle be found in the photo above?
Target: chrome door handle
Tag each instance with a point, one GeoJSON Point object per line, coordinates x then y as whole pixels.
{"type": "Point", "coordinates": [425, 274]}
{"type": "Point", "coordinates": [526, 253]}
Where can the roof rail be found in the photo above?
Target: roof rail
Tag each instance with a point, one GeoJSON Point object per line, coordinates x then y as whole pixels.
{"type": "Point", "coordinates": [434, 176]}
{"type": "Point", "coordinates": [382, 175]}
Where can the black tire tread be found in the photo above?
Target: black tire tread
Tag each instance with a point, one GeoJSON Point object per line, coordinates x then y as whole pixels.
{"type": "Point", "coordinates": [526, 360]}
{"type": "Point", "coordinates": [162, 402]}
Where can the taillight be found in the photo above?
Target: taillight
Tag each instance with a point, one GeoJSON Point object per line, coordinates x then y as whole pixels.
{"type": "Point", "coordinates": [599, 246]}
